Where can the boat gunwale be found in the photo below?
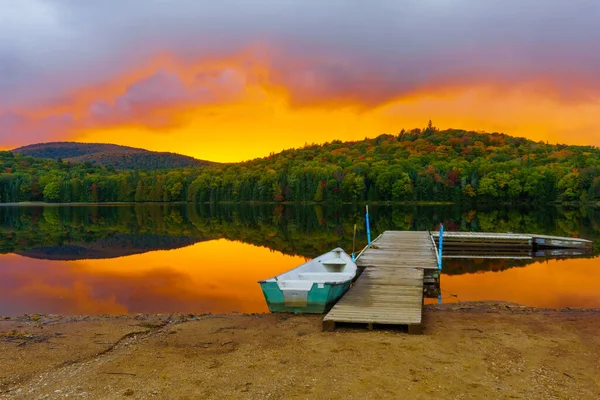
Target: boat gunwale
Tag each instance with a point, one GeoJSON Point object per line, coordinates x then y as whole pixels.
{"type": "Point", "coordinates": [314, 283]}
{"type": "Point", "coordinates": [268, 280]}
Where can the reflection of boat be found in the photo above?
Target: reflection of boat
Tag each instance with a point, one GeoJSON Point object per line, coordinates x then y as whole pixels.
{"type": "Point", "coordinates": [313, 287]}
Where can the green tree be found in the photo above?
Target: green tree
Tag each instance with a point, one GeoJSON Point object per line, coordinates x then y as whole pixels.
{"type": "Point", "coordinates": [569, 186]}
{"type": "Point", "coordinates": [402, 188]}
{"type": "Point", "coordinates": [52, 192]}
{"type": "Point", "coordinates": [139, 192]}
{"type": "Point", "coordinates": [318, 193]}
{"type": "Point", "coordinates": [488, 187]}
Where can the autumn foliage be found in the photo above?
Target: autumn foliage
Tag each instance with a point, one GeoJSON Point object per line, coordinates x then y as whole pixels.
{"type": "Point", "coordinates": [416, 165]}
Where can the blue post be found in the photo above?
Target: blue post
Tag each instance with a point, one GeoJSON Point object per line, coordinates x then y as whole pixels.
{"type": "Point", "coordinates": [368, 228]}
{"type": "Point", "coordinates": [353, 257]}
{"type": "Point", "coordinates": [441, 245]}
{"type": "Point", "coordinates": [440, 298]}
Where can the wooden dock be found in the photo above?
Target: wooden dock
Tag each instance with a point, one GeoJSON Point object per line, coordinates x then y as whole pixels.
{"type": "Point", "coordinates": [514, 241]}
{"type": "Point", "coordinates": [390, 290]}
{"type": "Point", "coordinates": [398, 264]}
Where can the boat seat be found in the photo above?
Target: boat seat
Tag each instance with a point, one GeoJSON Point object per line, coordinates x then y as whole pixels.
{"type": "Point", "coordinates": [295, 284]}
{"type": "Point", "coordinates": [324, 276]}
{"type": "Point", "coordinates": [334, 261]}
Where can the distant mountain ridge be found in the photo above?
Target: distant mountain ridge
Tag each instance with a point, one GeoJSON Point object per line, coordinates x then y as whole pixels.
{"type": "Point", "coordinates": [110, 155]}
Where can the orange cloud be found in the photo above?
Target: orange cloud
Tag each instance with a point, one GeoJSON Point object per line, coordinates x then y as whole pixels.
{"type": "Point", "coordinates": [246, 105]}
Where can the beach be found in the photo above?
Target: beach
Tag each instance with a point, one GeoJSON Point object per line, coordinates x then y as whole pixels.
{"type": "Point", "coordinates": [473, 350]}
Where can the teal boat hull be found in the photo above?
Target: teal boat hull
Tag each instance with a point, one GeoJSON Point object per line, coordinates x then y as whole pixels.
{"type": "Point", "coordinates": [318, 300]}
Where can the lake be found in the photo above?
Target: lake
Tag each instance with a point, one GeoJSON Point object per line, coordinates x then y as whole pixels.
{"type": "Point", "coordinates": [161, 258]}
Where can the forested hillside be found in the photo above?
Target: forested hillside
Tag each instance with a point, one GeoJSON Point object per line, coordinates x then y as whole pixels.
{"type": "Point", "coordinates": [417, 165]}
{"type": "Point", "coordinates": [110, 155]}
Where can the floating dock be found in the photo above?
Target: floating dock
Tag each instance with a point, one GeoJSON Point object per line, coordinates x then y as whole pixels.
{"type": "Point", "coordinates": [398, 264]}
{"type": "Point", "coordinates": [511, 241]}
{"type": "Point", "coordinates": [390, 289]}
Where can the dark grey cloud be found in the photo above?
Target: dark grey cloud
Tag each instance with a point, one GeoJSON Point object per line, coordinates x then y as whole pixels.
{"type": "Point", "coordinates": [372, 50]}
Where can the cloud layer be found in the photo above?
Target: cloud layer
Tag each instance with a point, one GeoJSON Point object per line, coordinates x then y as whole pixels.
{"type": "Point", "coordinates": [68, 69]}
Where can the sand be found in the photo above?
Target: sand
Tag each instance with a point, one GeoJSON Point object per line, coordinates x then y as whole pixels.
{"type": "Point", "coordinates": [467, 351]}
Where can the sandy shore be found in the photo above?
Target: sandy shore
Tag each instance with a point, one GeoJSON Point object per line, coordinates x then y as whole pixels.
{"type": "Point", "coordinates": [468, 351]}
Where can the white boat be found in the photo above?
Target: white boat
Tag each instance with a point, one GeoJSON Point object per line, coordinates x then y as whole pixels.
{"type": "Point", "coordinates": [313, 287]}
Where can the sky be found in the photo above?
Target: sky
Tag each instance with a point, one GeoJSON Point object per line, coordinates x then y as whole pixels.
{"type": "Point", "coordinates": [234, 80]}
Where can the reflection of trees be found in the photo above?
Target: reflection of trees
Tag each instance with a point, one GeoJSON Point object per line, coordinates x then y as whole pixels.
{"type": "Point", "coordinates": [291, 229]}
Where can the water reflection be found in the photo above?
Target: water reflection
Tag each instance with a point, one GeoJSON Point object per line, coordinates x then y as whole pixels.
{"type": "Point", "coordinates": [118, 245]}
{"type": "Point", "coordinates": [207, 258]}
{"type": "Point", "coordinates": [550, 283]}
{"type": "Point", "coordinates": [217, 276]}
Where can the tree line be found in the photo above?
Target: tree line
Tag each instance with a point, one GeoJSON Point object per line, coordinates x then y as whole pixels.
{"type": "Point", "coordinates": [411, 166]}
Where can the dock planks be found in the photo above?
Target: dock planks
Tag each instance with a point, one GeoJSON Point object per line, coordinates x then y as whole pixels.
{"type": "Point", "coordinates": [390, 290]}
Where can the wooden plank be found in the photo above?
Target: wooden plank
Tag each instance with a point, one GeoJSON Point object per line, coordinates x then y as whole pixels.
{"type": "Point", "coordinates": [405, 298]}
{"type": "Point", "coordinates": [402, 256]}
{"type": "Point", "coordinates": [495, 235]}
{"type": "Point", "coordinates": [396, 263]}
{"type": "Point", "coordinates": [479, 257]}
{"type": "Point", "coordinates": [378, 317]}
{"type": "Point", "coordinates": [386, 313]}
{"type": "Point", "coordinates": [561, 242]}
{"type": "Point", "coordinates": [372, 263]}
{"type": "Point", "coordinates": [400, 259]}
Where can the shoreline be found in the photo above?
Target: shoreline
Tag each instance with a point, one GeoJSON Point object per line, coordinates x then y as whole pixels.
{"type": "Point", "coordinates": [459, 306]}
{"type": "Point", "coordinates": [479, 349]}
{"type": "Point", "coordinates": [592, 204]}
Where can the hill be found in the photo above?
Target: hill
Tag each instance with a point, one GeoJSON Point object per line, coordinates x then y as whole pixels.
{"type": "Point", "coordinates": [417, 165]}
{"type": "Point", "coordinates": [110, 155]}
{"type": "Point", "coordinates": [412, 166]}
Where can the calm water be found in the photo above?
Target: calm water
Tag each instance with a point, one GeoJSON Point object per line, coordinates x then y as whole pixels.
{"type": "Point", "coordinates": [179, 258]}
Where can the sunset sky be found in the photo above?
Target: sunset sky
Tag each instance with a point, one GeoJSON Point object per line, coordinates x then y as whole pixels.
{"type": "Point", "coordinates": [232, 80]}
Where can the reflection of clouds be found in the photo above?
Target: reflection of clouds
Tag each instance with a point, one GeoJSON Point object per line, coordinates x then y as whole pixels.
{"type": "Point", "coordinates": [34, 286]}
{"type": "Point", "coordinates": [551, 283]}
{"type": "Point", "coordinates": [63, 288]}
{"type": "Point", "coordinates": [195, 279]}
{"type": "Point", "coordinates": [163, 289]}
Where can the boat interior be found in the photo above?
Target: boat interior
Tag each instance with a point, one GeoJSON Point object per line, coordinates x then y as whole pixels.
{"type": "Point", "coordinates": [332, 267]}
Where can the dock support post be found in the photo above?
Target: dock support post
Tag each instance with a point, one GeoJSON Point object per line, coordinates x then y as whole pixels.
{"type": "Point", "coordinates": [415, 329]}
{"type": "Point", "coordinates": [328, 326]}
{"type": "Point", "coordinates": [441, 245]}
{"type": "Point", "coordinates": [368, 228]}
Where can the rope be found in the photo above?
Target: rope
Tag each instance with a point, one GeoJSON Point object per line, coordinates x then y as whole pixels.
{"type": "Point", "coordinates": [449, 295]}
